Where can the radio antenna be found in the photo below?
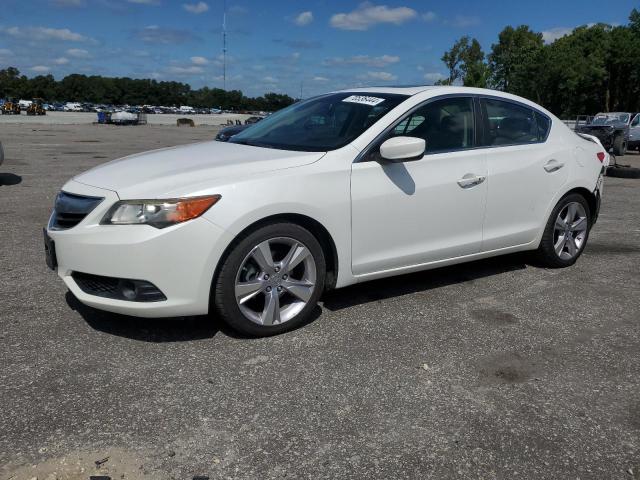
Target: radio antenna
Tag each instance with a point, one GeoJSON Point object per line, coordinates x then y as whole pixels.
{"type": "Point", "coordinates": [224, 46]}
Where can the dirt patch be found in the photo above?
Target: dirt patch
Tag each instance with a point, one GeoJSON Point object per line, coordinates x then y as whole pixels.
{"type": "Point", "coordinates": [78, 465]}
{"type": "Point", "coordinates": [507, 368]}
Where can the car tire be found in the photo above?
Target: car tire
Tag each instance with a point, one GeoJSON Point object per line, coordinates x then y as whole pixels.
{"type": "Point", "coordinates": [560, 247]}
{"type": "Point", "coordinates": [261, 296]}
{"type": "Point", "coordinates": [623, 172]}
{"type": "Point", "coordinates": [619, 145]}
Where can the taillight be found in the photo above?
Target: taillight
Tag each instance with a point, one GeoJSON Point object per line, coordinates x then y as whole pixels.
{"type": "Point", "coordinates": [601, 156]}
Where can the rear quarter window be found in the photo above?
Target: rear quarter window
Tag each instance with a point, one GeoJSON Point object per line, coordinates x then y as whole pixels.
{"type": "Point", "coordinates": [544, 125]}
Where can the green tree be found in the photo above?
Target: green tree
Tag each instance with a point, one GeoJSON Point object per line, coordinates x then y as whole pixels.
{"type": "Point", "coordinates": [465, 62]}
{"type": "Point", "coordinates": [516, 62]}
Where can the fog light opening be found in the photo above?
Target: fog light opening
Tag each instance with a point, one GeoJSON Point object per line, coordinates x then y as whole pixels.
{"type": "Point", "coordinates": [129, 290]}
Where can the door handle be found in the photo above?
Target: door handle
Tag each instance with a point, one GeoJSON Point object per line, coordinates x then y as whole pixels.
{"type": "Point", "coordinates": [553, 166]}
{"type": "Point", "coordinates": [471, 180]}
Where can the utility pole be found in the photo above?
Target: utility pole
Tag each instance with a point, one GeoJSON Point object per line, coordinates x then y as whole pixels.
{"type": "Point", "coordinates": [224, 46]}
{"type": "Point", "coordinates": [301, 83]}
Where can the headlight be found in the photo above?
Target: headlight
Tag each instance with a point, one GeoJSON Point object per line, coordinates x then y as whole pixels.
{"type": "Point", "coordinates": [158, 213]}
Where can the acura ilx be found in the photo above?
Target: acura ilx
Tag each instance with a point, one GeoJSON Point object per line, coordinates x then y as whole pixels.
{"type": "Point", "coordinates": [338, 189]}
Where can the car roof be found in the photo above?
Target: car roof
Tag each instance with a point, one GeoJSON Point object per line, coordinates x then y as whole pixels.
{"type": "Point", "coordinates": [434, 90]}
{"type": "Point", "coordinates": [402, 90]}
{"type": "Point", "coordinates": [440, 89]}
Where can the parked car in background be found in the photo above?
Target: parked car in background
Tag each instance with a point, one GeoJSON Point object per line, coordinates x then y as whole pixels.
{"type": "Point", "coordinates": [72, 107]}
{"type": "Point", "coordinates": [226, 133]}
{"type": "Point", "coordinates": [338, 189]}
{"type": "Point", "coordinates": [251, 120]}
{"type": "Point", "coordinates": [612, 129]}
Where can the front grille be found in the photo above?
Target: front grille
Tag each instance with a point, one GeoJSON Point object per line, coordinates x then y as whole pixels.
{"type": "Point", "coordinates": [118, 288]}
{"type": "Point", "coordinates": [70, 209]}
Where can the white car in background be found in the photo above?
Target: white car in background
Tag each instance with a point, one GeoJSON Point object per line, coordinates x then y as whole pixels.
{"type": "Point", "coordinates": [72, 107]}
{"type": "Point", "coordinates": [338, 189]}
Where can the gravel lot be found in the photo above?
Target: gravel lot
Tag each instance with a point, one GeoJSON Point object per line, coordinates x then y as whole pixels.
{"type": "Point", "coordinates": [495, 369]}
{"type": "Point", "coordinates": [86, 118]}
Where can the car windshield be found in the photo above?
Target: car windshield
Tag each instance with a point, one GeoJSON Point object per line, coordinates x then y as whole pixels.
{"type": "Point", "coordinates": [321, 123]}
{"type": "Point", "coordinates": [610, 118]}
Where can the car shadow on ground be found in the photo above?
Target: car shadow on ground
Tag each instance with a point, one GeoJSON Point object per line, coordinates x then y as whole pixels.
{"type": "Point", "coordinates": [400, 285]}
{"type": "Point", "coordinates": [159, 330]}
{"type": "Point", "coordinates": [7, 179]}
{"type": "Point", "coordinates": [184, 329]}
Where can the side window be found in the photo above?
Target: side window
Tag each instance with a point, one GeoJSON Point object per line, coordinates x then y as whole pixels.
{"type": "Point", "coordinates": [509, 124]}
{"type": "Point", "coordinates": [445, 124]}
{"type": "Point", "coordinates": [636, 121]}
{"type": "Point", "coordinates": [544, 124]}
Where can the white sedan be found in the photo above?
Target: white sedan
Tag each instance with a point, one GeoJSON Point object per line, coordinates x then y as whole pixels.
{"type": "Point", "coordinates": [338, 189]}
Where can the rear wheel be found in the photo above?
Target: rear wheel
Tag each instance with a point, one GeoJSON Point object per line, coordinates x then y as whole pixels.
{"type": "Point", "coordinates": [619, 145]}
{"type": "Point", "coordinates": [271, 280]}
{"type": "Point", "coordinates": [566, 232]}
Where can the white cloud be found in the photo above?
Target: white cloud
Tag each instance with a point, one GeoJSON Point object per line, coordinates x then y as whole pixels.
{"type": "Point", "coordinates": [69, 3]}
{"type": "Point", "coordinates": [429, 16]}
{"type": "Point", "coordinates": [381, 61]}
{"type": "Point", "coordinates": [196, 8]}
{"type": "Point", "coordinates": [384, 76]}
{"type": "Point", "coordinates": [40, 69]}
{"type": "Point", "coordinates": [433, 76]}
{"type": "Point", "coordinates": [61, 61]}
{"type": "Point", "coordinates": [305, 18]}
{"type": "Point", "coordinates": [5, 52]}
{"type": "Point", "coordinates": [269, 79]}
{"type": "Point", "coordinates": [199, 61]}
{"type": "Point", "coordinates": [78, 53]}
{"type": "Point", "coordinates": [44, 33]}
{"type": "Point", "coordinates": [553, 34]}
{"type": "Point", "coordinates": [368, 15]}
{"type": "Point", "coordinates": [162, 35]}
{"type": "Point", "coordinates": [145, 2]}
{"type": "Point", "coordinates": [193, 70]}
{"type": "Point", "coordinates": [320, 79]}
{"type": "Point", "coordinates": [463, 21]}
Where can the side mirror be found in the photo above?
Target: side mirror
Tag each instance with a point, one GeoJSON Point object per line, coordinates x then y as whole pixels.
{"type": "Point", "coordinates": [403, 149]}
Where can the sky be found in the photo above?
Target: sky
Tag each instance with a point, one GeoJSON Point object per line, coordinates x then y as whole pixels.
{"type": "Point", "coordinates": [300, 48]}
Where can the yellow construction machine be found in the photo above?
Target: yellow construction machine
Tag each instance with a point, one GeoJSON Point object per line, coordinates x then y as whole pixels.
{"type": "Point", "coordinates": [11, 107]}
{"type": "Point", "coordinates": [36, 107]}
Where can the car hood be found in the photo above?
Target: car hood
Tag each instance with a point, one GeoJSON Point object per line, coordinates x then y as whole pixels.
{"type": "Point", "coordinates": [172, 171]}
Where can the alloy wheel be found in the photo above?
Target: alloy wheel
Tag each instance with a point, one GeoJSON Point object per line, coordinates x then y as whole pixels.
{"type": "Point", "coordinates": [570, 231]}
{"type": "Point", "coordinates": [275, 281]}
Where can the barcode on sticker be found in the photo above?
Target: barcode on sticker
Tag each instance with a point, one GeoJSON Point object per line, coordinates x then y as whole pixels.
{"type": "Point", "coordinates": [373, 101]}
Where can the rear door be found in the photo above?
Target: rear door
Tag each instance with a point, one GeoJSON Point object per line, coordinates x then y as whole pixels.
{"type": "Point", "coordinates": [525, 171]}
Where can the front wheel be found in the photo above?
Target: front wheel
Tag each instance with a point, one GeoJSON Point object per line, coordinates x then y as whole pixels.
{"type": "Point", "coordinates": [271, 280]}
{"type": "Point", "coordinates": [566, 232]}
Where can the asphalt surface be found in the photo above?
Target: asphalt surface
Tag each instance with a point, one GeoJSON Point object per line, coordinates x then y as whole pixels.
{"type": "Point", "coordinates": [87, 118]}
{"type": "Point", "coordinates": [494, 369]}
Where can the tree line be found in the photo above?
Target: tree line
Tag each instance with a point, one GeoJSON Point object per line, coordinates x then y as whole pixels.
{"type": "Point", "coordinates": [594, 68]}
{"type": "Point", "coordinates": [129, 91]}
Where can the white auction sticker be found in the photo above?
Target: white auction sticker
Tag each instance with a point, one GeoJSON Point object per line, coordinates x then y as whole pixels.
{"type": "Point", "coordinates": [373, 101]}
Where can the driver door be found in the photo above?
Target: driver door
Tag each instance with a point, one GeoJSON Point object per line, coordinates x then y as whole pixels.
{"type": "Point", "coordinates": [421, 211]}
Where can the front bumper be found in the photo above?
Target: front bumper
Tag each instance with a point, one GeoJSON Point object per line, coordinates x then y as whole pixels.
{"type": "Point", "coordinates": [180, 260]}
